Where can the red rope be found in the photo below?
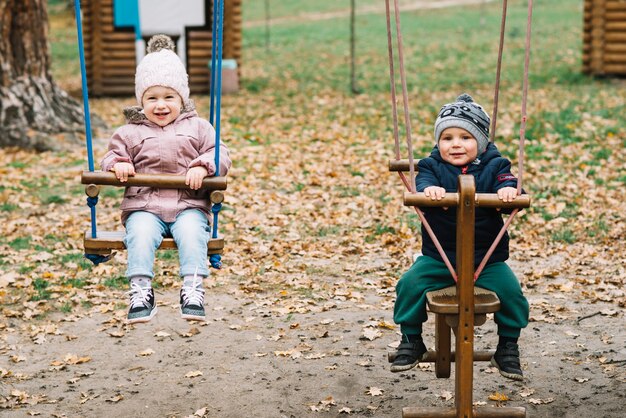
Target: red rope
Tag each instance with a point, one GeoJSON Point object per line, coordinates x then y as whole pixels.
{"type": "Point", "coordinates": [496, 93]}
{"type": "Point", "coordinates": [409, 186]}
{"type": "Point", "coordinates": [405, 95]}
{"type": "Point", "coordinates": [522, 133]}
{"type": "Point", "coordinates": [394, 107]}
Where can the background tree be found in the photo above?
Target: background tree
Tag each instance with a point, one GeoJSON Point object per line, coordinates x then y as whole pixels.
{"type": "Point", "coordinates": [34, 112]}
{"type": "Point", "coordinates": [267, 26]}
{"type": "Point", "coordinates": [353, 82]}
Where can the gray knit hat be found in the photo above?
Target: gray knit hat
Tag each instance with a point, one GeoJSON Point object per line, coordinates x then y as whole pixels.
{"type": "Point", "coordinates": [161, 67]}
{"type": "Point", "coordinates": [465, 114]}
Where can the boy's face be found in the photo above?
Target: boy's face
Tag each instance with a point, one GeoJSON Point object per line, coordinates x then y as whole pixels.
{"type": "Point", "coordinates": [161, 105]}
{"type": "Point", "coordinates": [457, 146]}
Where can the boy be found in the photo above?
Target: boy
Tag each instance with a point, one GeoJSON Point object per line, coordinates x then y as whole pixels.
{"type": "Point", "coordinates": [462, 147]}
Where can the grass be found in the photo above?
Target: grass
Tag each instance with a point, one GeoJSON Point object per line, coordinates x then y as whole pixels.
{"type": "Point", "coordinates": [76, 258]}
{"type": "Point", "coordinates": [20, 243]}
{"type": "Point", "coordinates": [116, 282]}
{"type": "Point", "coordinates": [41, 288]}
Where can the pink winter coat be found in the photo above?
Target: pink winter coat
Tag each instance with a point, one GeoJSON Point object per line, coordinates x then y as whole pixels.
{"type": "Point", "coordinates": [187, 142]}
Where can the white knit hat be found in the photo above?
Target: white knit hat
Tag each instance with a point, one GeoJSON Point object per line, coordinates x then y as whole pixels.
{"type": "Point", "coordinates": [161, 67]}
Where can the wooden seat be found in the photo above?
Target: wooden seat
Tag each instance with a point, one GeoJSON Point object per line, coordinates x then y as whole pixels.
{"type": "Point", "coordinates": [107, 241]}
{"type": "Point", "coordinates": [445, 301]}
{"type": "Point", "coordinates": [444, 304]}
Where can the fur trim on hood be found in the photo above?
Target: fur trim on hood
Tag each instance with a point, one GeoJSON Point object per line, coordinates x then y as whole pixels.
{"type": "Point", "coordinates": [134, 114]}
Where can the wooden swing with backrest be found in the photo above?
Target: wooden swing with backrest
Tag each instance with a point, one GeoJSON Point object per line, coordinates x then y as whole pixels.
{"type": "Point", "coordinates": [458, 308]}
{"type": "Point", "coordinates": [100, 245]}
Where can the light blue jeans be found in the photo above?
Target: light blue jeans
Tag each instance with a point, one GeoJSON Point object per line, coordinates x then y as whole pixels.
{"type": "Point", "coordinates": [145, 231]}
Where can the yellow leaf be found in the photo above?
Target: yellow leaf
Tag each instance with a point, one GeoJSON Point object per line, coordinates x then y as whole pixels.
{"type": "Point", "coordinates": [497, 396]}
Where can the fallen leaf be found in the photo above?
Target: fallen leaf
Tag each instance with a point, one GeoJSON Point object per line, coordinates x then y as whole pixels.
{"type": "Point", "coordinates": [115, 399]}
{"type": "Point", "coordinates": [540, 401]}
{"type": "Point", "coordinates": [374, 391]}
{"type": "Point", "coordinates": [499, 397]}
{"type": "Point", "coordinates": [526, 392]}
{"type": "Point", "coordinates": [446, 395]}
{"type": "Point", "coordinates": [195, 373]}
{"type": "Point", "coordinates": [200, 412]}
{"type": "Point", "coordinates": [146, 352]}
{"type": "Point", "coordinates": [371, 334]}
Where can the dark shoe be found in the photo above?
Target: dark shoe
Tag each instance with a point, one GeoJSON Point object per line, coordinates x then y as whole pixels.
{"type": "Point", "coordinates": [192, 302]}
{"type": "Point", "coordinates": [408, 356]}
{"type": "Point", "coordinates": [506, 360]}
{"type": "Point", "coordinates": [142, 306]}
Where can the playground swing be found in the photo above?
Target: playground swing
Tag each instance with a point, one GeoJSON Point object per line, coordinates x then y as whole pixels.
{"type": "Point", "coordinates": [461, 307]}
{"type": "Point", "coordinates": [99, 246]}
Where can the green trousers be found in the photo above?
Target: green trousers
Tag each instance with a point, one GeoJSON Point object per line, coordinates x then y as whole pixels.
{"type": "Point", "coordinates": [428, 274]}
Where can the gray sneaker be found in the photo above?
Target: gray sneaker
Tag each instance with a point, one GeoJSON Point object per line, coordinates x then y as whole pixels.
{"type": "Point", "coordinates": [192, 301]}
{"type": "Point", "coordinates": [142, 306]}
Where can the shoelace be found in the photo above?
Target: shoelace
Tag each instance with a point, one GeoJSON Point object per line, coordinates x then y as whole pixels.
{"type": "Point", "coordinates": [194, 294]}
{"type": "Point", "coordinates": [138, 295]}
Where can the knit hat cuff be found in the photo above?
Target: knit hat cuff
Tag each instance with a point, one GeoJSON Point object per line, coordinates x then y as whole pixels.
{"type": "Point", "coordinates": [451, 122]}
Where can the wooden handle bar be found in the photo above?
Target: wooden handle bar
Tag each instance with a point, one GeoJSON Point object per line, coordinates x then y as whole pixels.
{"type": "Point", "coordinates": [163, 181]}
{"type": "Point", "coordinates": [401, 165]}
{"type": "Point", "coordinates": [483, 200]}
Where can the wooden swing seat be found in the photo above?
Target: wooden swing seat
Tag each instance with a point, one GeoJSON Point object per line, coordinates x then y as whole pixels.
{"type": "Point", "coordinates": [108, 241]}
{"type": "Point", "coordinates": [444, 304]}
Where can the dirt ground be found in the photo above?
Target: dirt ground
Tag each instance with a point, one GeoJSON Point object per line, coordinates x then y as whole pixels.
{"type": "Point", "coordinates": [255, 358]}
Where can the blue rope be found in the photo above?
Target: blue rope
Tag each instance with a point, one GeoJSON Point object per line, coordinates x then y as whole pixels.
{"type": "Point", "coordinates": [83, 74]}
{"type": "Point", "coordinates": [215, 259]}
{"type": "Point", "coordinates": [219, 88]}
{"type": "Point", "coordinates": [96, 258]}
{"type": "Point", "coordinates": [213, 58]}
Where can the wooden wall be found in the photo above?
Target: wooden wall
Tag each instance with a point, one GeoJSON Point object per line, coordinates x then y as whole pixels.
{"type": "Point", "coordinates": [110, 53]}
{"type": "Point", "coordinates": [604, 37]}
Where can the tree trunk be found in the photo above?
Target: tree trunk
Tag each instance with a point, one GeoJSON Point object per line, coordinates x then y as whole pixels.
{"type": "Point", "coordinates": [353, 83]}
{"type": "Point", "coordinates": [267, 26]}
{"type": "Point", "coordinates": [34, 112]}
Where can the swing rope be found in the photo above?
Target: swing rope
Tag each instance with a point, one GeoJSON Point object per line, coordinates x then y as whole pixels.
{"type": "Point", "coordinates": [91, 201]}
{"type": "Point", "coordinates": [496, 92]}
{"type": "Point", "coordinates": [410, 186]}
{"type": "Point", "coordinates": [87, 113]}
{"type": "Point", "coordinates": [524, 117]}
{"type": "Point", "coordinates": [216, 96]}
{"type": "Point", "coordinates": [522, 139]}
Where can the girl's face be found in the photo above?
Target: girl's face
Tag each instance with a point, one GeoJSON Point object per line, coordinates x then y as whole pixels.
{"type": "Point", "coordinates": [161, 105]}
{"type": "Point", "coordinates": [457, 146]}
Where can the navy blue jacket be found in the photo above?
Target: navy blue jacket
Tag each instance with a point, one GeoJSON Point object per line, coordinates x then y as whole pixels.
{"type": "Point", "coordinates": [491, 173]}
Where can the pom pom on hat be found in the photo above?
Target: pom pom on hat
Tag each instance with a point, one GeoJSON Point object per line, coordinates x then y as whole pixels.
{"type": "Point", "coordinates": [161, 67]}
{"type": "Point", "coordinates": [465, 114]}
{"type": "Point", "coordinates": [159, 42]}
